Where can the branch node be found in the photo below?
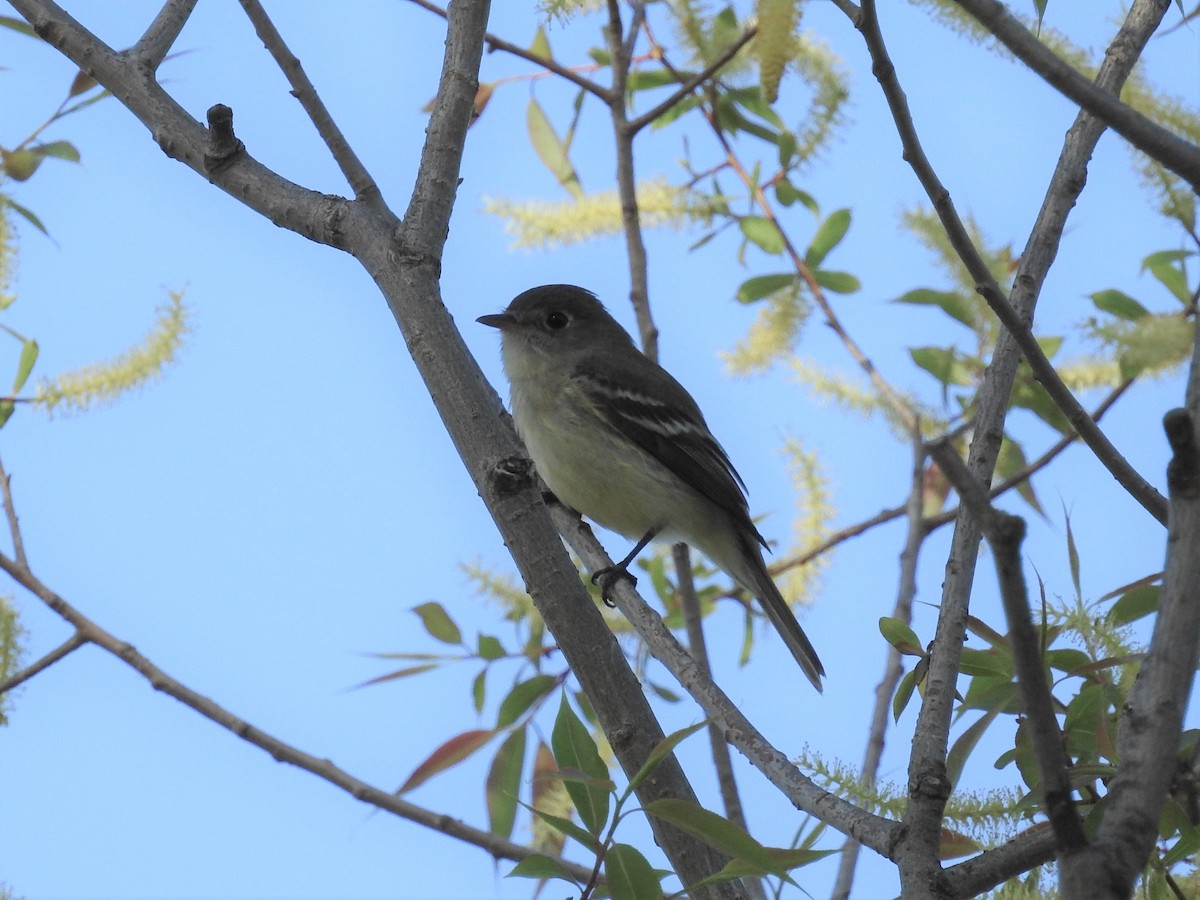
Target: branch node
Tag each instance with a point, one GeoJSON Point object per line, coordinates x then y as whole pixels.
{"type": "Point", "coordinates": [223, 145]}
{"type": "Point", "coordinates": [1183, 471]}
{"type": "Point", "coordinates": [510, 476]}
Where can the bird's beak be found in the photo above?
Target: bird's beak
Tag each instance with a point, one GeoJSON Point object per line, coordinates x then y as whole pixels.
{"type": "Point", "coordinates": [503, 321]}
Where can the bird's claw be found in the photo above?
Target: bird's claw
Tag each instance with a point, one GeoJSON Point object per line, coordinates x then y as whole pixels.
{"type": "Point", "coordinates": [607, 577]}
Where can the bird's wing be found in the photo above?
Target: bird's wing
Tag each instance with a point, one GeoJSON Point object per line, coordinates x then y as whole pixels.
{"type": "Point", "coordinates": [671, 429]}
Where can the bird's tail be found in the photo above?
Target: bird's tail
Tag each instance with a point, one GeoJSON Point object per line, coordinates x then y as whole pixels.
{"type": "Point", "coordinates": [752, 574]}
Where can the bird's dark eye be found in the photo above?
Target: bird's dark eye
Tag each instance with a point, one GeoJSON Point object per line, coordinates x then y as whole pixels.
{"type": "Point", "coordinates": [557, 320]}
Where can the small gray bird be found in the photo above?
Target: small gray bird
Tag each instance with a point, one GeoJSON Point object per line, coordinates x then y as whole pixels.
{"type": "Point", "coordinates": [616, 438]}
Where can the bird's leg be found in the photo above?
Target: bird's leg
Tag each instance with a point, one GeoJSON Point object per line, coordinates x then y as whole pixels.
{"type": "Point", "coordinates": [608, 576]}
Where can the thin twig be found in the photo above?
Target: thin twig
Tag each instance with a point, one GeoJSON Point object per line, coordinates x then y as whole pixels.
{"type": "Point", "coordinates": [10, 512]}
{"type": "Point", "coordinates": [497, 43]}
{"type": "Point", "coordinates": [620, 52]}
{"type": "Point", "coordinates": [1015, 322]}
{"type": "Point", "coordinates": [88, 631]}
{"type": "Point", "coordinates": [693, 624]}
{"type": "Point", "coordinates": [906, 592]}
{"type": "Point", "coordinates": [71, 644]}
{"type": "Point", "coordinates": [948, 515]}
{"type": "Point", "coordinates": [693, 82]}
{"type": "Point", "coordinates": [156, 41]}
{"type": "Point", "coordinates": [356, 173]}
{"type": "Point", "coordinates": [1173, 152]}
{"type": "Point", "coordinates": [876, 832]}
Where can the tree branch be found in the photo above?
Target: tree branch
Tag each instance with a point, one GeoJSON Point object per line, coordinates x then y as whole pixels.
{"type": "Point", "coordinates": [928, 785]}
{"type": "Point", "coordinates": [157, 40]}
{"type": "Point", "coordinates": [359, 178]}
{"type": "Point", "coordinates": [1158, 143]}
{"type": "Point", "coordinates": [1005, 533]}
{"type": "Point", "coordinates": [874, 831]}
{"type": "Point", "coordinates": [67, 647]}
{"type": "Point", "coordinates": [87, 631]}
{"type": "Point", "coordinates": [646, 118]}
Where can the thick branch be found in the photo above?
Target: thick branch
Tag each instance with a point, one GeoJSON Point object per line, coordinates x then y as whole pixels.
{"type": "Point", "coordinates": [1158, 143]}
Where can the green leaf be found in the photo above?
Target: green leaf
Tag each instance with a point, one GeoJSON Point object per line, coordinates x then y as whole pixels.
{"type": "Point", "coordinates": [550, 150]}
{"type": "Point", "coordinates": [661, 751]}
{"type": "Point", "coordinates": [943, 363]}
{"type": "Point", "coordinates": [986, 662]}
{"type": "Point", "coordinates": [629, 875]}
{"type": "Point", "coordinates": [648, 79]}
{"type": "Point", "coordinates": [956, 306]}
{"type": "Point", "coordinates": [965, 744]}
{"type": "Point", "coordinates": [763, 286]}
{"type": "Point", "coordinates": [29, 355]}
{"type": "Point", "coordinates": [1073, 556]}
{"type": "Point", "coordinates": [479, 690]}
{"type": "Point", "coordinates": [18, 25]}
{"type": "Point", "coordinates": [904, 691]}
{"type": "Point", "coordinates": [59, 150]}
{"type": "Point", "coordinates": [1134, 604]}
{"type": "Point", "coordinates": [567, 827]}
{"type": "Point", "coordinates": [828, 236]}
{"type": "Point", "coordinates": [1010, 462]}
{"type": "Point", "coordinates": [504, 784]}
{"type": "Point", "coordinates": [717, 831]}
{"type": "Point", "coordinates": [574, 748]}
{"type": "Point", "coordinates": [523, 696]}
{"type": "Point", "coordinates": [1119, 304]}
{"type": "Point", "coordinates": [788, 194]}
{"type": "Point", "coordinates": [1165, 266]}
{"type": "Point", "coordinates": [900, 636]}
{"type": "Point", "coordinates": [490, 648]}
{"type": "Point", "coordinates": [21, 164]}
{"type": "Point", "coordinates": [542, 868]}
{"type": "Point", "coordinates": [449, 754]}
{"type": "Point", "coordinates": [763, 233]}
{"type": "Point", "coordinates": [24, 213]}
{"type": "Point", "coordinates": [838, 282]}
{"type": "Point", "coordinates": [540, 47]}
{"type": "Point", "coordinates": [438, 623]}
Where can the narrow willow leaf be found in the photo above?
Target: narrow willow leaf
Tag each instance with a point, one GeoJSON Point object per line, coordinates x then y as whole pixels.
{"type": "Point", "coordinates": [717, 831]}
{"type": "Point", "coordinates": [523, 696]}
{"type": "Point", "coordinates": [661, 751]}
{"type": "Point", "coordinates": [1135, 604]}
{"type": "Point", "coordinates": [574, 749]}
{"type": "Point", "coordinates": [449, 754]}
{"type": "Point", "coordinates": [956, 306]}
{"type": "Point", "coordinates": [1119, 304]}
{"type": "Point", "coordinates": [550, 150]}
{"type": "Point", "coordinates": [504, 784]}
{"type": "Point", "coordinates": [29, 355]}
{"type": "Point", "coordinates": [541, 868]}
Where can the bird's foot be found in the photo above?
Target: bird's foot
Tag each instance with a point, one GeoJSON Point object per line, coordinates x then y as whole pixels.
{"type": "Point", "coordinates": [607, 577]}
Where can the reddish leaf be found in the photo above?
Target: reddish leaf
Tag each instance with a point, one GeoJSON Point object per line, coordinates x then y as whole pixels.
{"type": "Point", "coordinates": [448, 755]}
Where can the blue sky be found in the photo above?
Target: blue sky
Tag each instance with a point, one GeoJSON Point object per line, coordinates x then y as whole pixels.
{"type": "Point", "coordinates": [269, 513]}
